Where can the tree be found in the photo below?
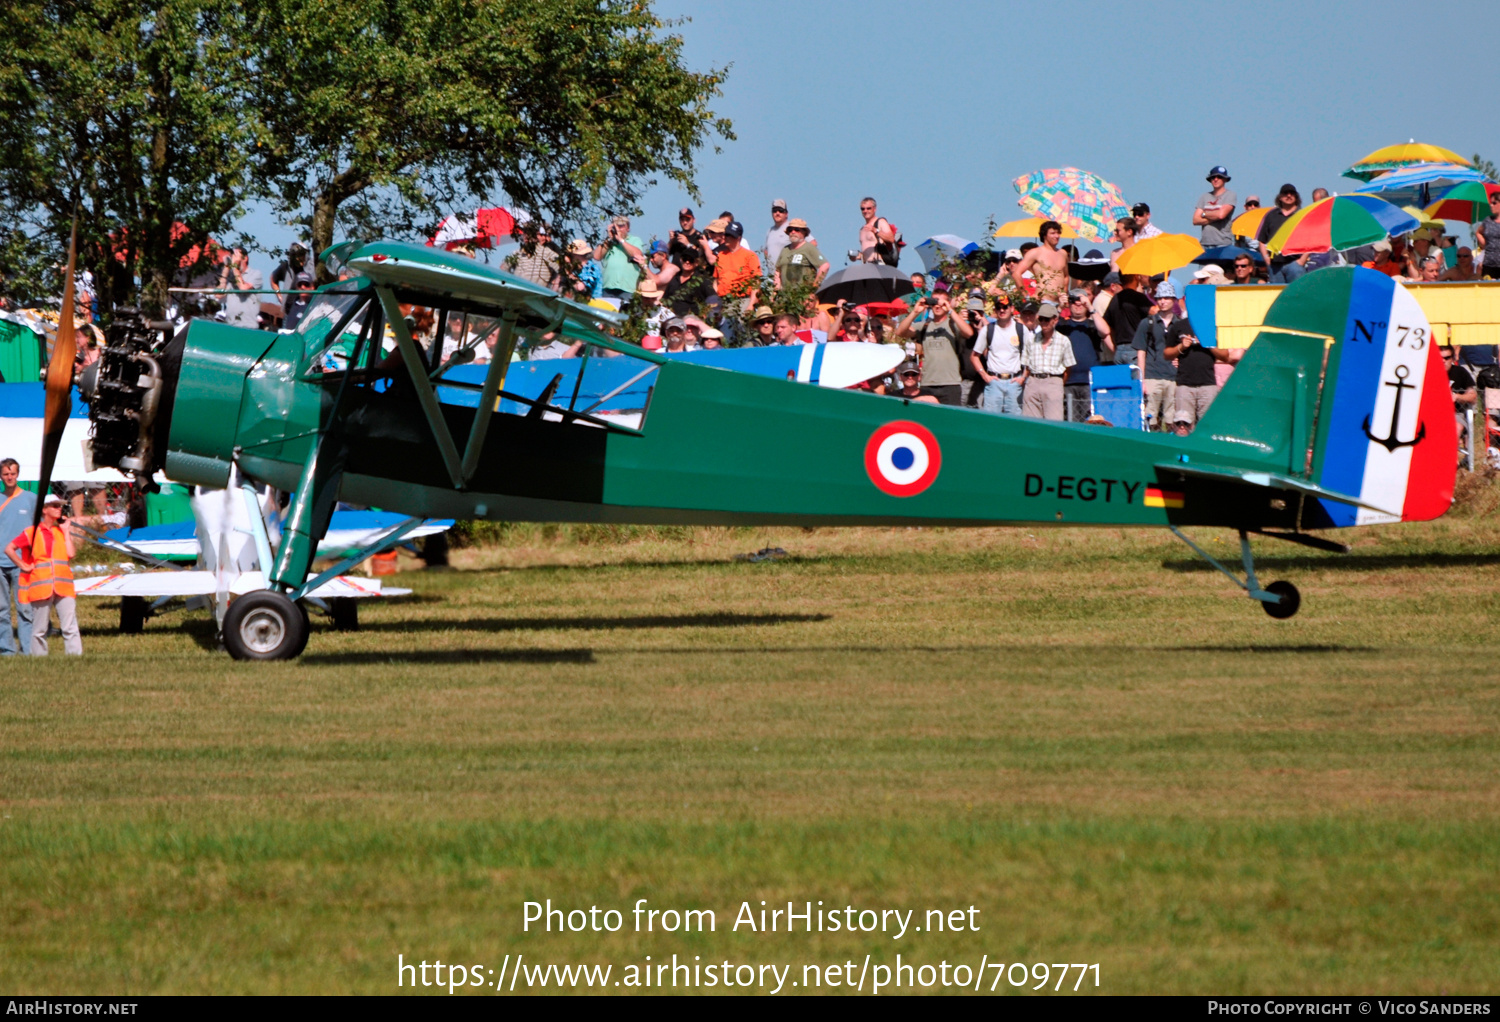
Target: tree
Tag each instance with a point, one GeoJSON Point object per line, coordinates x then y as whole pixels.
{"type": "Point", "coordinates": [381, 115]}
{"type": "Point", "coordinates": [131, 113]}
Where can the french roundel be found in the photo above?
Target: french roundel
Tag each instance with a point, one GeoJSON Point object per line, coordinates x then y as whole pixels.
{"type": "Point", "coordinates": [902, 458]}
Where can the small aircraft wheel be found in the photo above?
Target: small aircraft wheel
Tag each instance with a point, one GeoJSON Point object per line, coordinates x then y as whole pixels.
{"type": "Point", "coordinates": [345, 614]}
{"type": "Point", "coordinates": [265, 625]}
{"type": "Point", "coordinates": [1290, 600]}
{"type": "Point", "coordinates": [134, 610]}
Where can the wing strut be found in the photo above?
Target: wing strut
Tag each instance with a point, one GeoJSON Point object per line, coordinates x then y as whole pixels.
{"type": "Point", "coordinates": [1280, 599]}
{"type": "Point", "coordinates": [416, 369]}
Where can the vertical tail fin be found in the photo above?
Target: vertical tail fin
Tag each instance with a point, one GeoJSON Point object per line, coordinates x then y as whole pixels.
{"type": "Point", "coordinates": [1385, 429]}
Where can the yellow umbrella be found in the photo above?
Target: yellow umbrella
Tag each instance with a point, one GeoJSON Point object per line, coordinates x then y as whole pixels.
{"type": "Point", "coordinates": [1027, 227]}
{"type": "Point", "coordinates": [1247, 223]}
{"type": "Point", "coordinates": [1393, 156]}
{"type": "Point", "coordinates": [1161, 254]}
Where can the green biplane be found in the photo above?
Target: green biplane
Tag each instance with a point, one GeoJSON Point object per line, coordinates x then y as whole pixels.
{"type": "Point", "coordinates": [1338, 415]}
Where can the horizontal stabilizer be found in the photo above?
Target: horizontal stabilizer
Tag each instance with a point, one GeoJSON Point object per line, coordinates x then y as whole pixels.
{"type": "Point", "coordinates": [1267, 480]}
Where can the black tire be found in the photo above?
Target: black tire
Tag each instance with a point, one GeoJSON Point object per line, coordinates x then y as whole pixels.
{"type": "Point", "coordinates": [344, 613]}
{"type": "Point", "coordinates": [265, 626]}
{"type": "Point", "coordinates": [134, 610]}
{"type": "Point", "coordinates": [1291, 600]}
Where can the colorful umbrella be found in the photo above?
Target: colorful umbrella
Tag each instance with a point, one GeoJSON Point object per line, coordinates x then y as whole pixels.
{"type": "Point", "coordinates": [483, 228]}
{"type": "Point", "coordinates": [1160, 254]}
{"type": "Point", "coordinates": [1395, 156]}
{"type": "Point", "coordinates": [1340, 222]}
{"type": "Point", "coordinates": [1029, 227]}
{"type": "Point", "coordinates": [1248, 223]}
{"type": "Point", "coordinates": [1469, 202]}
{"type": "Point", "coordinates": [1416, 184]}
{"type": "Point", "coordinates": [1083, 201]}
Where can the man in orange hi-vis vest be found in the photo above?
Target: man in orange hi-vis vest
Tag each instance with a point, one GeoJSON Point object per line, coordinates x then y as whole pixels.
{"type": "Point", "coordinates": [43, 552]}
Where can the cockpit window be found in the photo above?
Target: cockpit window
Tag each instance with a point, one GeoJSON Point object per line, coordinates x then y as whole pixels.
{"type": "Point", "coordinates": [327, 313]}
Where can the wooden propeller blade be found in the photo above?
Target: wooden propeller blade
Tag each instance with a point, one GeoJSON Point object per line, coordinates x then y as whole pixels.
{"type": "Point", "coordinates": [59, 381]}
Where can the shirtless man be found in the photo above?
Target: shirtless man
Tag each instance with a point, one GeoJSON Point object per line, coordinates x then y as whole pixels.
{"type": "Point", "coordinates": [876, 229]}
{"type": "Point", "coordinates": [1048, 265]}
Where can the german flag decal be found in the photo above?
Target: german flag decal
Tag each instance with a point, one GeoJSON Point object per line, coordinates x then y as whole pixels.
{"type": "Point", "coordinates": [1158, 497]}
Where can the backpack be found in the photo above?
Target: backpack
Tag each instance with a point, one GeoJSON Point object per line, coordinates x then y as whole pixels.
{"type": "Point", "coordinates": [889, 251]}
{"type": "Point", "coordinates": [966, 364]}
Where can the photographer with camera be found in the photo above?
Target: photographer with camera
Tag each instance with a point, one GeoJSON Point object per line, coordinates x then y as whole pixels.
{"type": "Point", "coordinates": [42, 552]}
{"type": "Point", "coordinates": [235, 274]}
{"type": "Point", "coordinates": [939, 346]}
{"type": "Point", "coordinates": [622, 261]}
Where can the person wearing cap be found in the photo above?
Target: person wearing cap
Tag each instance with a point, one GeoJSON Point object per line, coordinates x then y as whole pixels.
{"type": "Point", "coordinates": [1047, 357]}
{"type": "Point", "coordinates": [1384, 259]}
{"type": "Point", "coordinates": [1210, 275]}
{"type": "Point", "coordinates": [1197, 384]}
{"type": "Point", "coordinates": [17, 508]}
{"type": "Point", "coordinates": [712, 239]}
{"type": "Point", "coordinates": [691, 287]}
{"type": "Point", "coordinates": [1214, 210]}
{"type": "Point", "coordinates": [284, 277]}
{"type": "Point", "coordinates": [1078, 326]}
{"type": "Point", "coordinates": [297, 301]}
{"type": "Point", "coordinates": [674, 335]}
{"type": "Point", "coordinates": [580, 272]}
{"type": "Point", "coordinates": [1280, 269]}
{"type": "Point", "coordinates": [1154, 368]}
{"type": "Point", "coordinates": [939, 344]}
{"type": "Point", "coordinates": [659, 266]}
{"type": "Point", "coordinates": [776, 238]}
{"type": "Point", "coordinates": [997, 359]}
{"type": "Point", "coordinates": [621, 260]}
{"type": "Point", "coordinates": [686, 238]}
{"type": "Point", "coordinates": [800, 258]}
{"type": "Point", "coordinates": [1144, 228]}
{"type": "Point", "coordinates": [911, 389]}
{"type": "Point", "coordinates": [737, 268]}
{"type": "Point", "coordinates": [46, 581]}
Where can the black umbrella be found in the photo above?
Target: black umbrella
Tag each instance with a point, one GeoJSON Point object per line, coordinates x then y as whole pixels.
{"type": "Point", "coordinates": [866, 282]}
{"type": "Point", "coordinates": [1093, 266]}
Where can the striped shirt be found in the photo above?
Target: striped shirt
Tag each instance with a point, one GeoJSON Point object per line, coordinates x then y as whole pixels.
{"type": "Point", "coordinates": [1048, 358]}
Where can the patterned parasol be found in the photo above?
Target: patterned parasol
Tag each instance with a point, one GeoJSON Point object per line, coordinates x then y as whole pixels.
{"type": "Point", "coordinates": [1083, 201]}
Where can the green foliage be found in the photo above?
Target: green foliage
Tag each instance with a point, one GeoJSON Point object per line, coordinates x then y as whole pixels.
{"type": "Point", "coordinates": [382, 114]}
{"type": "Point", "coordinates": [1486, 168]}
{"type": "Point", "coordinates": [131, 113]}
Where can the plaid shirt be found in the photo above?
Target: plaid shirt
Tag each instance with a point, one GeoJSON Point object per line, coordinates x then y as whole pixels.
{"type": "Point", "coordinates": [1049, 359]}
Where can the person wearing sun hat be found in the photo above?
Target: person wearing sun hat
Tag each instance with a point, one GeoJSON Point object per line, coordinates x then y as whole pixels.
{"type": "Point", "coordinates": [1214, 210]}
{"type": "Point", "coordinates": [800, 259]}
{"type": "Point", "coordinates": [582, 274]}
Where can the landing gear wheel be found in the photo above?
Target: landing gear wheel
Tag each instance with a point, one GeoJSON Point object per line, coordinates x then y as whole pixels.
{"type": "Point", "coordinates": [1290, 600]}
{"type": "Point", "coordinates": [265, 625]}
{"type": "Point", "coordinates": [345, 614]}
{"type": "Point", "coordinates": [134, 610]}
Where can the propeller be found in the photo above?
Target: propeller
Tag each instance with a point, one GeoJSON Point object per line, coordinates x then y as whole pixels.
{"type": "Point", "coordinates": [59, 381]}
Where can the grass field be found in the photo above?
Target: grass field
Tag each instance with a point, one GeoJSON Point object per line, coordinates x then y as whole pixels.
{"type": "Point", "coordinates": [1083, 734]}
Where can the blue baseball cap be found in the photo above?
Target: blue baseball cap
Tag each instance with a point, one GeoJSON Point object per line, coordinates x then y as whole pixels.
{"type": "Point", "coordinates": [657, 246]}
{"type": "Point", "coordinates": [1217, 172]}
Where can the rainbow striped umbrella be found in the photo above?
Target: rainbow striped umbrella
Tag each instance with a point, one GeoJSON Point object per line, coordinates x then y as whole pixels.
{"type": "Point", "coordinates": [1340, 222]}
{"type": "Point", "coordinates": [1469, 202]}
{"type": "Point", "coordinates": [1083, 201]}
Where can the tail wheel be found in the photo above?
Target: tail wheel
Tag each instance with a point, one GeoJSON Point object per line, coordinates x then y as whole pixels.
{"type": "Point", "coordinates": [265, 625]}
{"type": "Point", "coordinates": [345, 614]}
{"type": "Point", "coordinates": [134, 610]}
{"type": "Point", "coordinates": [1291, 600]}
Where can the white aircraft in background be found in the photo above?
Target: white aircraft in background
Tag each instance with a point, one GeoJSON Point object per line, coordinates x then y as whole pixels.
{"type": "Point", "coordinates": [235, 533]}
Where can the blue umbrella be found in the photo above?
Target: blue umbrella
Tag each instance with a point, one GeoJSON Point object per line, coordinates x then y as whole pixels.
{"type": "Point", "coordinates": [1224, 256]}
{"type": "Point", "coordinates": [941, 247]}
{"type": "Point", "coordinates": [1415, 185]}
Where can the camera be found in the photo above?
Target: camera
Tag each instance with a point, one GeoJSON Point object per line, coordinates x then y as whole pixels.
{"type": "Point", "coordinates": [929, 301]}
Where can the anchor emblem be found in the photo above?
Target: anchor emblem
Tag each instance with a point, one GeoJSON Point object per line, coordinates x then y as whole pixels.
{"type": "Point", "coordinates": [1389, 441]}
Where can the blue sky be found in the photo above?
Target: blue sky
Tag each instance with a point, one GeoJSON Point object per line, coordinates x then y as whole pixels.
{"type": "Point", "coordinates": [934, 108]}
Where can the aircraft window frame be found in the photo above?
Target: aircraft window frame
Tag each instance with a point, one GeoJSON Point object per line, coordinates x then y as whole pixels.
{"type": "Point", "coordinates": [312, 359]}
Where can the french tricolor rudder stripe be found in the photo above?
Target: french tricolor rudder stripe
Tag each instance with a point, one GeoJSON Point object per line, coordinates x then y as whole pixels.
{"type": "Point", "coordinates": [1434, 462]}
{"type": "Point", "coordinates": [1391, 439]}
